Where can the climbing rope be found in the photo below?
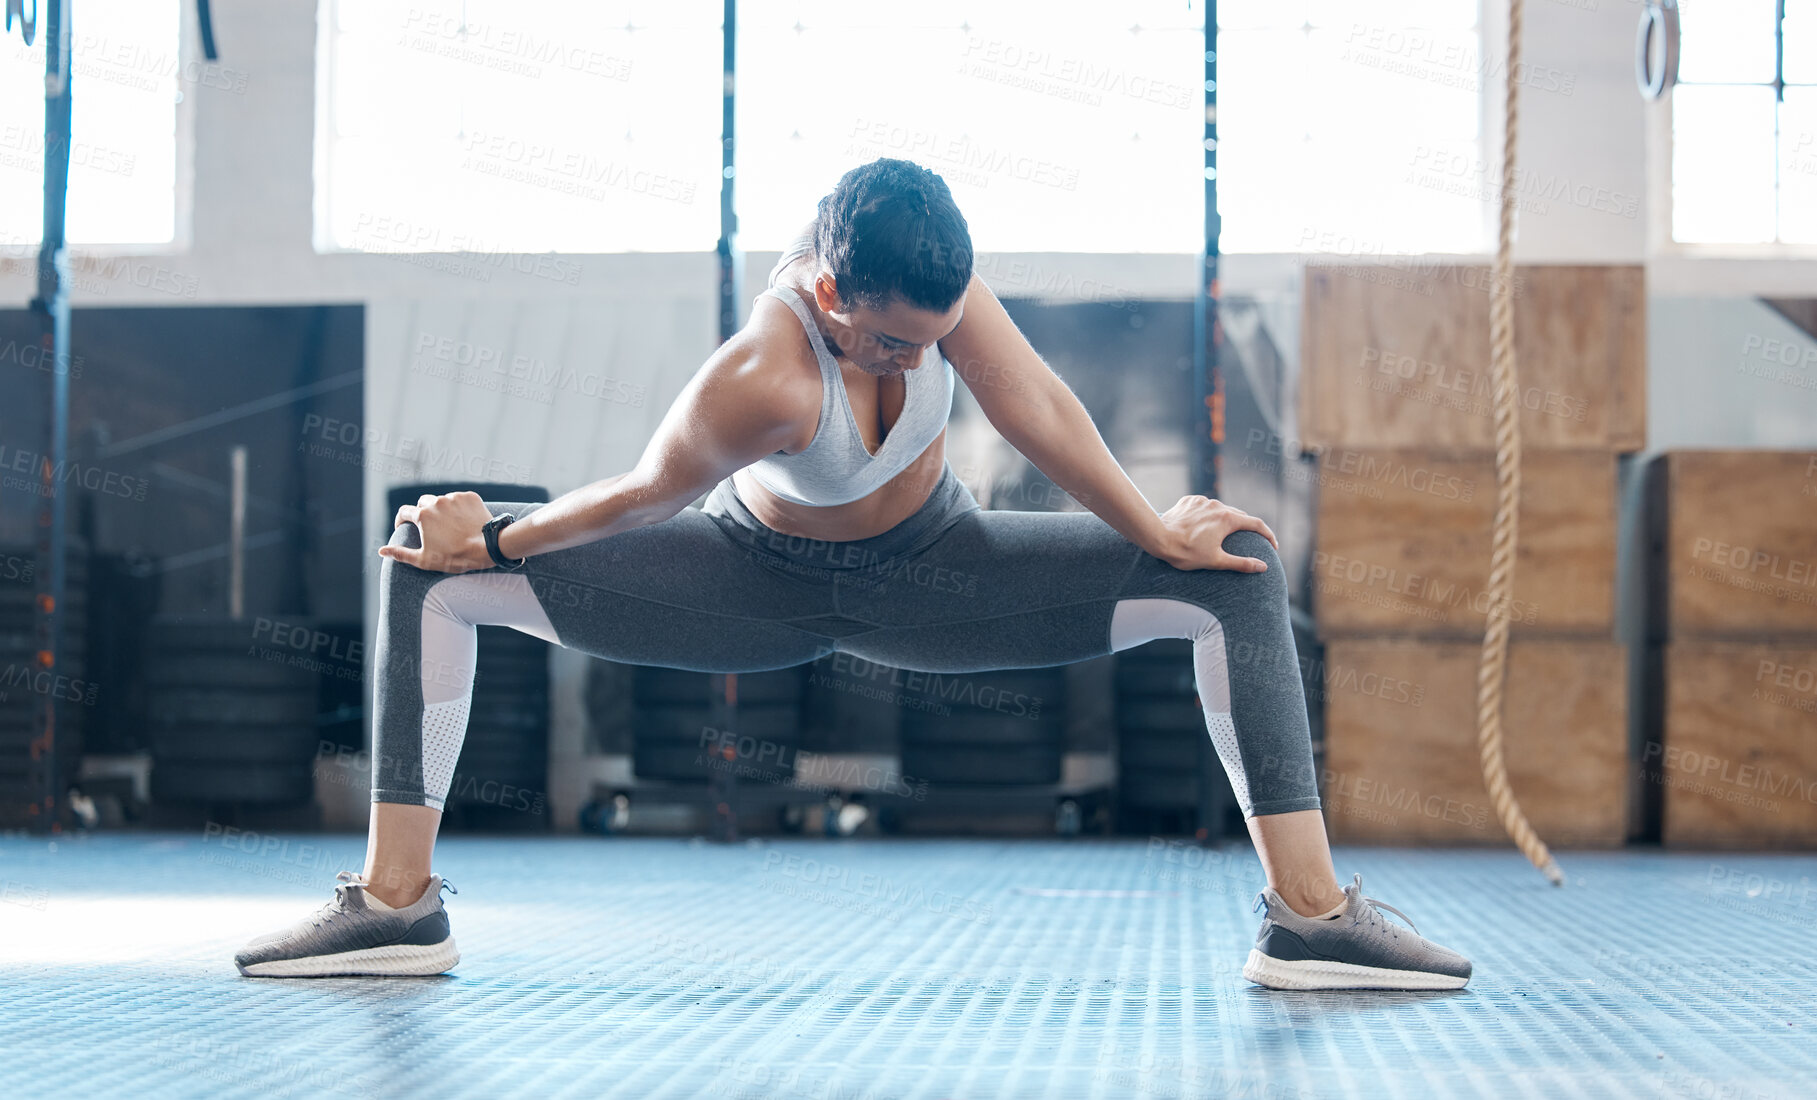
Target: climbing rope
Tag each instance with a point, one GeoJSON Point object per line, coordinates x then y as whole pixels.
{"type": "Point", "coordinates": [1492, 671]}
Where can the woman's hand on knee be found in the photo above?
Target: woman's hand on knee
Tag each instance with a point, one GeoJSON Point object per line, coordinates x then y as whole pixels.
{"type": "Point", "coordinates": [449, 527]}
{"type": "Point", "coordinates": [1199, 525]}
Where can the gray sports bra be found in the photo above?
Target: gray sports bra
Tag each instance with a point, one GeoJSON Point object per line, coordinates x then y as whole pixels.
{"type": "Point", "coordinates": [835, 468]}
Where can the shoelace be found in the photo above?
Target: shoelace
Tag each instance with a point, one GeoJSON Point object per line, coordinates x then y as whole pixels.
{"type": "Point", "coordinates": [1370, 905]}
{"type": "Point", "coordinates": [338, 903]}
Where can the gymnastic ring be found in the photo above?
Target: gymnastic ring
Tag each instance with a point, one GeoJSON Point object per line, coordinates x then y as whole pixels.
{"type": "Point", "coordinates": [1664, 15]}
{"type": "Point", "coordinates": [27, 27]}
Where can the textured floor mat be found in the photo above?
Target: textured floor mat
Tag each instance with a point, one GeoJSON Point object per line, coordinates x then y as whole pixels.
{"type": "Point", "coordinates": [657, 968]}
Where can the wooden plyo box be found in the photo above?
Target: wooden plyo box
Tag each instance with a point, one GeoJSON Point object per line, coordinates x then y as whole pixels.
{"type": "Point", "coordinates": [1734, 545]}
{"type": "Point", "coordinates": [1404, 544]}
{"type": "Point", "coordinates": [1738, 759]}
{"type": "Point", "coordinates": [1396, 355]}
{"type": "Point", "coordinates": [1401, 756]}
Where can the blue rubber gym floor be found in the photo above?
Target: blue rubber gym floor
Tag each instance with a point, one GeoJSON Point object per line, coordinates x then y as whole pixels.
{"type": "Point", "coordinates": [896, 968]}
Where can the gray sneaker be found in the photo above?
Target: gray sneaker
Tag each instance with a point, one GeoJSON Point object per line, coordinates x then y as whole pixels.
{"type": "Point", "coordinates": [346, 936]}
{"type": "Point", "coordinates": [1357, 949]}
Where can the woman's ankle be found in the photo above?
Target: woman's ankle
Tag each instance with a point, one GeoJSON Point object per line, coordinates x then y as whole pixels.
{"type": "Point", "coordinates": [400, 849]}
{"type": "Point", "coordinates": [395, 887]}
{"type": "Point", "coordinates": [1309, 898]}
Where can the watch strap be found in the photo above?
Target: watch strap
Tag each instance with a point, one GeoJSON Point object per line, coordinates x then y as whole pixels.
{"type": "Point", "coordinates": [490, 533]}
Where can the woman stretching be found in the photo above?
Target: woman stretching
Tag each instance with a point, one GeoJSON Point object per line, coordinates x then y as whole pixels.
{"type": "Point", "coordinates": [819, 431]}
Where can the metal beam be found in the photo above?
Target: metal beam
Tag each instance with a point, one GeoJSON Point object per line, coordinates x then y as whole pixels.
{"type": "Point", "coordinates": [1208, 337]}
{"type": "Point", "coordinates": [44, 805]}
{"type": "Point", "coordinates": [1208, 389]}
{"type": "Point", "coordinates": [731, 257]}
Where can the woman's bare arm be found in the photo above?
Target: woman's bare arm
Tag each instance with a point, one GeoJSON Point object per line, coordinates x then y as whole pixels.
{"type": "Point", "coordinates": [730, 414]}
{"type": "Point", "coordinates": [735, 410]}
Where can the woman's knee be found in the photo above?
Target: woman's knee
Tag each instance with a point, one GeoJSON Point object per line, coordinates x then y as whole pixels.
{"type": "Point", "coordinates": [1250, 544]}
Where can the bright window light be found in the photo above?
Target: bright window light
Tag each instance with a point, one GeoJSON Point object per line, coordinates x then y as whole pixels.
{"type": "Point", "coordinates": [521, 126]}
{"type": "Point", "coordinates": [1059, 125]}
{"type": "Point", "coordinates": [1798, 166]}
{"type": "Point", "coordinates": [125, 81]}
{"type": "Point", "coordinates": [1801, 43]}
{"type": "Point", "coordinates": [1726, 41]}
{"type": "Point", "coordinates": [1353, 127]}
{"type": "Point", "coordinates": [1744, 124]}
{"type": "Point", "coordinates": [1722, 163]}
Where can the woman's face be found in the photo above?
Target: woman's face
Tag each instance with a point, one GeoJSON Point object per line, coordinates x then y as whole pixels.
{"type": "Point", "coordinates": [889, 341]}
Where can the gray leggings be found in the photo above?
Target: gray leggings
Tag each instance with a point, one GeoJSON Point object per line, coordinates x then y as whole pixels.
{"type": "Point", "coordinates": [952, 588]}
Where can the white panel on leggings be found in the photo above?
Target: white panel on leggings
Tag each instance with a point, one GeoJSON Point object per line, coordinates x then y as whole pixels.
{"type": "Point", "coordinates": [1136, 621]}
{"type": "Point", "coordinates": [1211, 668]}
{"type": "Point", "coordinates": [444, 728]}
{"type": "Point", "coordinates": [492, 599]}
{"type": "Point", "coordinates": [452, 608]}
{"type": "Point", "coordinates": [1224, 738]}
{"type": "Point", "coordinates": [1133, 622]}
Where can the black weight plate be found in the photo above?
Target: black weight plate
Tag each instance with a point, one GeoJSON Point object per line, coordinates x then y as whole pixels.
{"type": "Point", "coordinates": [1018, 692]}
{"type": "Point", "coordinates": [1160, 714]}
{"type": "Point", "coordinates": [771, 687]}
{"type": "Point", "coordinates": [678, 762]}
{"type": "Point", "coordinates": [945, 764]}
{"type": "Point", "coordinates": [693, 725]}
{"type": "Point", "coordinates": [222, 670]}
{"type": "Point", "coordinates": [288, 706]}
{"type": "Point", "coordinates": [1160, 750]}
{"type": "Point", "coordinates": [650, 684]}
{"type": "Point", "coordinates": [279, 745]}
{"type": "Point", "coordinates": [977, 728]}
{"type": "Point", "coordinates": [1158, 790]}
{"type": "Point", "coordinates": [1155, 678]}
{"type": "Point", "coordinates": [185, 781]}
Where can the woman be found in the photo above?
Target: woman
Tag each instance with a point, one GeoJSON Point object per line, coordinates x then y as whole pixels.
{"type": "Point", "coordinates": [820, 432]}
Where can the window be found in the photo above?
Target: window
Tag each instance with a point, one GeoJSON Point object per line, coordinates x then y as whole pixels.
{"type": "Point", "coordinates": [126, 79]}
{"type": "Point", "coordinates": [1059, 125]}
{"type": "Point", "coordinates": [1353, 126]}
{"type": "Point", "coordinates": [507, 126]}
{"type": "Point", "coordinates": [1744, 123]}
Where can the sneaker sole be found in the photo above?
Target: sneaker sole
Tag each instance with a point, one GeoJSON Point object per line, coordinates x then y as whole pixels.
{"type": "Point", "coordinates": [1266, 970]}
{"type": "Point", "coordinates": [399, 961]}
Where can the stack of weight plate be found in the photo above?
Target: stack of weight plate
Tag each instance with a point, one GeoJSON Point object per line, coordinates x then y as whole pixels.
{"type": "Point", "coordinates": [346, 693]}
{"type": "Point", "coordinates": [677, 725]}
{"type": "Point", "coordinates": [233, 717]}
{"type": "Point", "coordinates": [23, 683]}
{"type": "Point", "coordinates": [502, 778]}
{"type": "Point", "coordinates": [1169, 779]}
{"type": "Point", "coordinates": [608, 699]}
{"type": "Point", "coordinates": [850, 707]}
{"type": "Point", "coordinates": [124, 589]}
{"type": "Point", "coordinates": [1002, 728]}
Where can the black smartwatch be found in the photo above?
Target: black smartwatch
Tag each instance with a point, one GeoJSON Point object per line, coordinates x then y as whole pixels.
{"type": "Point", "coordinates": [490, 531]}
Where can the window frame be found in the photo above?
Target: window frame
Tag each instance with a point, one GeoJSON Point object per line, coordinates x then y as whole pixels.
{"type": "Point", "coordinates": [1763, 256]}
{"type": "Point", "coordinates": [183, 153]}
